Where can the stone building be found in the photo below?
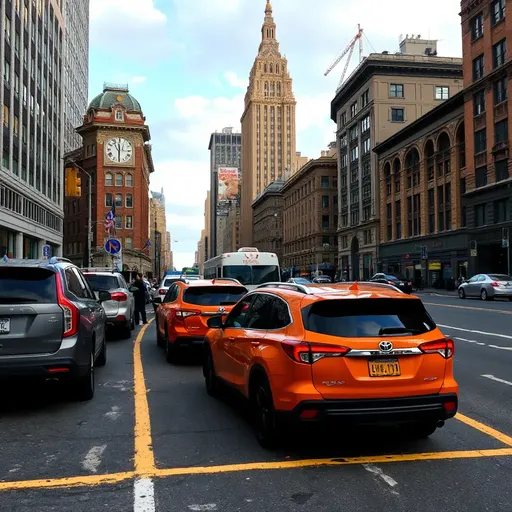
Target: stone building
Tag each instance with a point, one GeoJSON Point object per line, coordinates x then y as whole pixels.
{"type": "Point", "coordinates": [422, 172]}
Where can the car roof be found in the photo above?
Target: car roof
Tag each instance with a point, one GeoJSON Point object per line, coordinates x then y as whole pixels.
{"type": "Point", "coordinates": [212, 282]}
{"type": "Point", "coordinates": [33, 263]}
{"type": "Point", "coordinates": [334, 291]}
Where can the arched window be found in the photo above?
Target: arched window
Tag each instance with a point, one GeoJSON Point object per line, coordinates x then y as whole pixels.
{"type": "Point", "coordinates": [412, 164]}
{"type": "Point", "coordinates": [129, 201]}
{"type": "Point", "coordinates": [387, 178]}
{"type": "Point", "coordinates": [278, 89]}
{"type": "Point", "coordinates": [108, 180]}
{"type": "Point", "coordinates": [128, 180]}
{"type": "Point", "coordinates": [119, 180]}
{"type": "Point", "coordinates": [443, 154]}
{"type": "Point", "coordinates": [396, 172]}
{"type": "Point", "coordinates": [119, 200]}
{"type": "Point", "coordinates": [108, 199]}
{"type": "Point", "coordinates": [430, 160]}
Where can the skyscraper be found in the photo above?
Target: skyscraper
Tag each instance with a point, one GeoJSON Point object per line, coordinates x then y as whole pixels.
{"type": "Point", "coordinates": [268, 123]}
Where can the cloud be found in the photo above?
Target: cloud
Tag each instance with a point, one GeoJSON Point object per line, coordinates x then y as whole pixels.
{"type": "Point", "coordinates": [235, 81]}
{"type": "Point", "coordinates": [138, 79]}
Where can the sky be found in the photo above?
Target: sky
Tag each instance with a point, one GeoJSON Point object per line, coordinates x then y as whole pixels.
{"type": "Point", "coordinates": [187, 62]}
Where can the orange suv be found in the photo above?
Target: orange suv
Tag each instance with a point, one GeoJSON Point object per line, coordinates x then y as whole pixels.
{"type": "Point", "coordinates": [181, 317]}
{"type": "Point", "coordinates": [362, 353]}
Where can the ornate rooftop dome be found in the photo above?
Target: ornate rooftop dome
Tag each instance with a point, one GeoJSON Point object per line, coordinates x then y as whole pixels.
{"type": "Point", "coordinates": [115, 94]}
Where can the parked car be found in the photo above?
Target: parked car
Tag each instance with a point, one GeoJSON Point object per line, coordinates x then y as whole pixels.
{"type": "Point", "coordinates": [52, 325]}
{"type": "Point", "coordinates": [299, 280]}
{"type": "Point", "coordinates": [314, 354]}
{"type": "Point", "coordinates": [487, 287]}
{"type": "Point", "coordinates": [165, 284]}
{"type": "Point", "coordinates": [181, 319]}
{"type": "Point", "coordinates": [120, 308]}
{"type": "Point", "coordinates": [322, 280]}
{"type": "Point", "coordinates": [400, 282]}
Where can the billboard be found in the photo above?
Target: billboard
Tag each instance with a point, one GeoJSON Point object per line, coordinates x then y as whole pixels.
{"type": "Point", "coordinates": [228, 190]}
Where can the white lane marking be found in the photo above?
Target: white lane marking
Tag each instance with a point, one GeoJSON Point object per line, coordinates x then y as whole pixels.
{"type": "Point", "coordinates": [496, 379]}
{"type": "Point", "coordinates": [208, 506]}
{"type": "Point", "coordinates": [92, 460]}
{"type": "Point", "coordinates": [501, 348]}
{"type": "Point", "coordinates": [114, 413]}
{"type": "Point", "coordinates": [506, 336]}
{"type": "Point", "coordinates": [378, 472]}
{"type": "Point", "coordinates": [144, 495]}
{"type": "Point", "coordinates": [464, 339]}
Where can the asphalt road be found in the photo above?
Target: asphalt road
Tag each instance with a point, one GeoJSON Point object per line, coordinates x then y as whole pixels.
{"type": "Point", "coordinates": [152, 440]}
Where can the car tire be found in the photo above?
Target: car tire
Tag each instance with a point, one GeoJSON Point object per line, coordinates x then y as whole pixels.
{"type": "Point", "coordinates": [484, 295]}
{"type": "Point", "coordinates": [102, 357]}
{"type": "Point", "coordinates": [422, 430]}
{"type": "Point", "coordinates": [462, 293]}
{"type": "Point", "coordinates": [265, 423]}
{"type": "Point", "coordinates": [210, 379]}
{"type": "Point", "coordinates": [132, 323]}
{"type": "Point", "coordinates": [84, 386]}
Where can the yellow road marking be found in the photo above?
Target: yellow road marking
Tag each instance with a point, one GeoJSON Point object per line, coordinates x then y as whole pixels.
{"type": "Point", "coordinates": [500, 436]}
{"type": "Point", "coordinates": [75, 481]}
{"type": "Point", "coordinates": [144, 456]}
{"type": "Point", "coordinates": [468, 307]}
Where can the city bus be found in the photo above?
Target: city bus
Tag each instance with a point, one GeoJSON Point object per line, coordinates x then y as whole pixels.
{"type": "Point", "coordinates": [248, 265]}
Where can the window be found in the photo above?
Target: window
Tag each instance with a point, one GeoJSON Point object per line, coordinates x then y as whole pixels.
{"type": "Point", "coordinates": [397, 115]}
{"type": "Point", "coordinates": [478, 67]}
{"type": "Point", "coordinates": [325, 201]}
{"type": "Point", "coordinates": [119, 115]}
{"type": "Point", "coordinates": [479, 103]}
{"type": "Point", "coordinates": [502, 210]}
{"type": "Point", "coordinates": [325, 221]}
{"type": "Point", "coordinates": [353, 109]}
{"type": "Point", "coordinates": [34, 284]}
{"type": "Point", "coordinates": [213, 295]}
{"type": "Point", "coordinates": [119, 221]}
{"type": "Point", "coordinates": [365, 98]}
{"type": "Point", "coordinates": [6, 115]}
{"type": "Point", "coordinates": [128, 180]}
{"type": "Point", "coordinates": [501, 131]}
{"type": "Point", "coordinates": [366, 146]}
{"type": "Point", "coordinates": [352, 134]}
{"type": "Point", "coordinates": [7, 72]}
{"type": "Point", "coordinates": [499, 53]}
{"type": "Point", "coordinates": [128, 222]}
{"type": "Point", "coordinates": [354, 154]}
{"type": "Point", "coordinates": [108, 199]}
{"type": "Point", "coordinates": [119, 180]}
{"type": "Point", "coordinates": [477, 26]}
{"type": "Point", "coordinates": [442, 92]}
{"type": "Point", "coordinates": [325, 182]}
{"type": "Point", "coordinates": [108, 180]}
{"type": "Point", "coordinates": [480, 141]}
{"type": "Point", "coordinates": [365, 124]}
{"type": "Point", "coordinates": [501, 169]}
{"type": "Point", "coordinates": [343, 119]}
{"type": "Point", "coordinates": [497, 11]}
{"type": "Point", "coordinates": [129, 201]}
{"type": "Point", "coordinates": [119, 200]}
{"type": "Point", "coordinates": [128, 244]}
{"type": "Point", "coordinates": [500, 90]}
{"type": "Point", "coordinates": [396, 90]}
{"type": "Point", "coordinates": [480, 215]}
{"type": "Point", "coordinates": [481, 176]}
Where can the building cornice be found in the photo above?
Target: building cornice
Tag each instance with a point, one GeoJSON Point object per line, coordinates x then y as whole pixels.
{"type": "Point", "coordinates": [324, 161]}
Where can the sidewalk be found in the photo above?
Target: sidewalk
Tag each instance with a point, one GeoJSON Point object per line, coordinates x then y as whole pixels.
{"type": "Point", "coordinates": [435, 291]}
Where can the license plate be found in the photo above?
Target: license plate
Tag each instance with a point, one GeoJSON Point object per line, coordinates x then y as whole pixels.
{"type": "Point", "coordinates": [384, 368]}
{"type": "Point", "coordinates": [5, 325]}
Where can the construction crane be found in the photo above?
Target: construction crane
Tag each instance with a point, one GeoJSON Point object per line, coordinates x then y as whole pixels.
{"type": "Point", "coordinates": [350, 50]}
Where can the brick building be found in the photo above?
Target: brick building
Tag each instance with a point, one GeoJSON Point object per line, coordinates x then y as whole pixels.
{"type": "Point", "coordinates": [486, 30]}
{"type": "Point", "coordinates": [117, 156]}
{"type": "Point", "coordinates": [267, 218]}
{"type": "Point", "coordinates": [421, 173]}
{"type": "Point", "coordinates": [310, 217]}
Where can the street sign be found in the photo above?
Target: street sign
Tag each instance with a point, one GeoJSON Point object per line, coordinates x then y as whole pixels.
{"type": "Point", "coordinates": [47, 250]}
{"type": "Point", "coordinates": [473, 248]}
{"type": "Point", "coordinates": [423, 252]}
{"type": "Point", "coordinates": [112, 246]}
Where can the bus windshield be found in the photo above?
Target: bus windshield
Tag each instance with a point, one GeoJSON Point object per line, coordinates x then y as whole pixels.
{"type": "Point", "coordinates": [252, 274]}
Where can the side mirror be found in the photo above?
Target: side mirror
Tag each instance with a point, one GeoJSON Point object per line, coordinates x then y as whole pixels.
{"type": "Point", "coordinates": [103, 296]}
{"type": "Point", "coordinates": [133, 289]}
{"type": "Point", "coordinates": [215, 322]}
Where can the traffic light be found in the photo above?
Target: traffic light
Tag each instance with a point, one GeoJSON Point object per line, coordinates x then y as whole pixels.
{"type": "Point", "coordinates": [73, 183]}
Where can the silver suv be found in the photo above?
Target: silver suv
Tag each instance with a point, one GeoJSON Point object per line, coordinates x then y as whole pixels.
{"type": "Point", "coordinates": [120, 308]}
{"type": "Point", "coordinates": [51, 323]}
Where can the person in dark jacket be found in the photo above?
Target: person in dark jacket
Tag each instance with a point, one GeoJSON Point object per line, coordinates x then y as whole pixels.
{"type": "Point", "coordinates": [140, 299]}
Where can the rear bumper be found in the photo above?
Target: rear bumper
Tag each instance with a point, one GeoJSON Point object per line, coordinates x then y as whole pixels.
{"type": "Point", "coordinates": [376, 411]}
{"type": "Point", "coordinates": [42, 368]}
{"type": "Point", "coordinates": [188, 341]}
{"type": "Point", "coordinates": [502, 292]}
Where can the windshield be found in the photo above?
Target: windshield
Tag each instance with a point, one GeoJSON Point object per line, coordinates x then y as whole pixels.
{"type": "Point", "coordinates": [99, 282]}
{"type": "Point", "coordinates": [362, 318]}
{"type": "Point", "coordinates": [169, 282]}
{"type": "Point", "coordinates": [300, 280]}
{"type": "Point", "coordinates": [252, 274]}
{"type": "Point", "coordinates": [19, 285]}
{"type": "Point", "coordinates": [213, 295]}
{"type": "Point", "coordinates": [500, 277]}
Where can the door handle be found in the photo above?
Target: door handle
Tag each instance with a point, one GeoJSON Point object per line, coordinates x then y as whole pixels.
{"type": "Point", "coordinates": [255, 343]}
{"type": "Point", "coordinates": [231, 338]}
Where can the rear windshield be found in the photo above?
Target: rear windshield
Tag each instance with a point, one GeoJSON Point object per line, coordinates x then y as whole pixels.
{"type": "Point", "coordinates": [500, 277]}
{"type": "Point", "coordinates": [362, 318]}
{"type": "Point", "coordinates": [27, 285]}
{"type": "Point", "coordinates": [213, 295]}
{"type": "Point", "coordinates": [99, 282]}
{"type": "Point", "coordinates": [169, 282]}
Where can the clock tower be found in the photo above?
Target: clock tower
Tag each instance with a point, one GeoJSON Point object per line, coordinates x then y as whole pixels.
{"type": "Point", "coordinates": [116, 154]}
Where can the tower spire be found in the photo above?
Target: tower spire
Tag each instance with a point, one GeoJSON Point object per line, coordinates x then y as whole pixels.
{"type": "Point", "coordinates": [268, 29]}
{"type": "Point", "coordinates": [268, 9]}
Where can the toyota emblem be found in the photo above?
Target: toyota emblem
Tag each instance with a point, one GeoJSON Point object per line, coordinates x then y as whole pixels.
{"type": "Point", "coordinates": [385, 346]}
{"type": "Point", "coordinates": [221, 310]}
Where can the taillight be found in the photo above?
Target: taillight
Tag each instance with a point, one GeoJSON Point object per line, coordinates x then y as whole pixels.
{"type": "Point", "coordinates": [162, 291]}
{"type": "Point", "coordinates": [445, 347]}
{"type": "Point", "coordinates": [181, 314]}
{"type": "Point", "coordinates": [309, 353]}
{"type": "Point", "coordinates": [71, 312]}
{"type": "Point", "coordinates": [119, 296]}
{"type": "Point", "coordinates": [494, 283]}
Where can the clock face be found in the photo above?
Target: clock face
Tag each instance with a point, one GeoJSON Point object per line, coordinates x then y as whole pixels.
{"type": "Point", "coordinates": [119, 150]}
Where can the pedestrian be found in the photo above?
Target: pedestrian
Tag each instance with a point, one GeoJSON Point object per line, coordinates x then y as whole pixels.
{"type": "Point", "coordinates": [140, 299]}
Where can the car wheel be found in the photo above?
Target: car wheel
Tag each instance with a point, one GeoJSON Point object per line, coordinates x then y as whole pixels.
{"type": "Point", "coordinates": [267, 432]}
{"type": "Point", "coordinates": [462, 293]}
{"type": "Point", "coordinates": [210, 379]}
{"type": "Point", "coordinates": [422, 430]}
{"type": "Point", "coordinates": [84, 386]}
{"type": "Point", "coordinates": [102, 357]}
{"type": "Point", "coordinates": [483, 295]}
{"type": "Point", "coordinates": [132, 323]}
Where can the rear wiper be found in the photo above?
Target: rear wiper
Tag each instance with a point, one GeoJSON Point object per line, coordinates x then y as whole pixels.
{"type": "Point", "coordinates": [397, 330]}
{"type": "Point", "coordinates": [10, 300]}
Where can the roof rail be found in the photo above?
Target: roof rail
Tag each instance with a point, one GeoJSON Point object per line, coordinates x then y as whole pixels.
{"type": "Point", "coordinates": [371, 283]}
{"type": "Point", "coordinates": [293, 286]}
{"type": "Point", "coordinates": [98, 269]}
{"type": "Point", "coordinates": [57, 259]}
{"type": "Point", "coordinates": [227, 279]}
